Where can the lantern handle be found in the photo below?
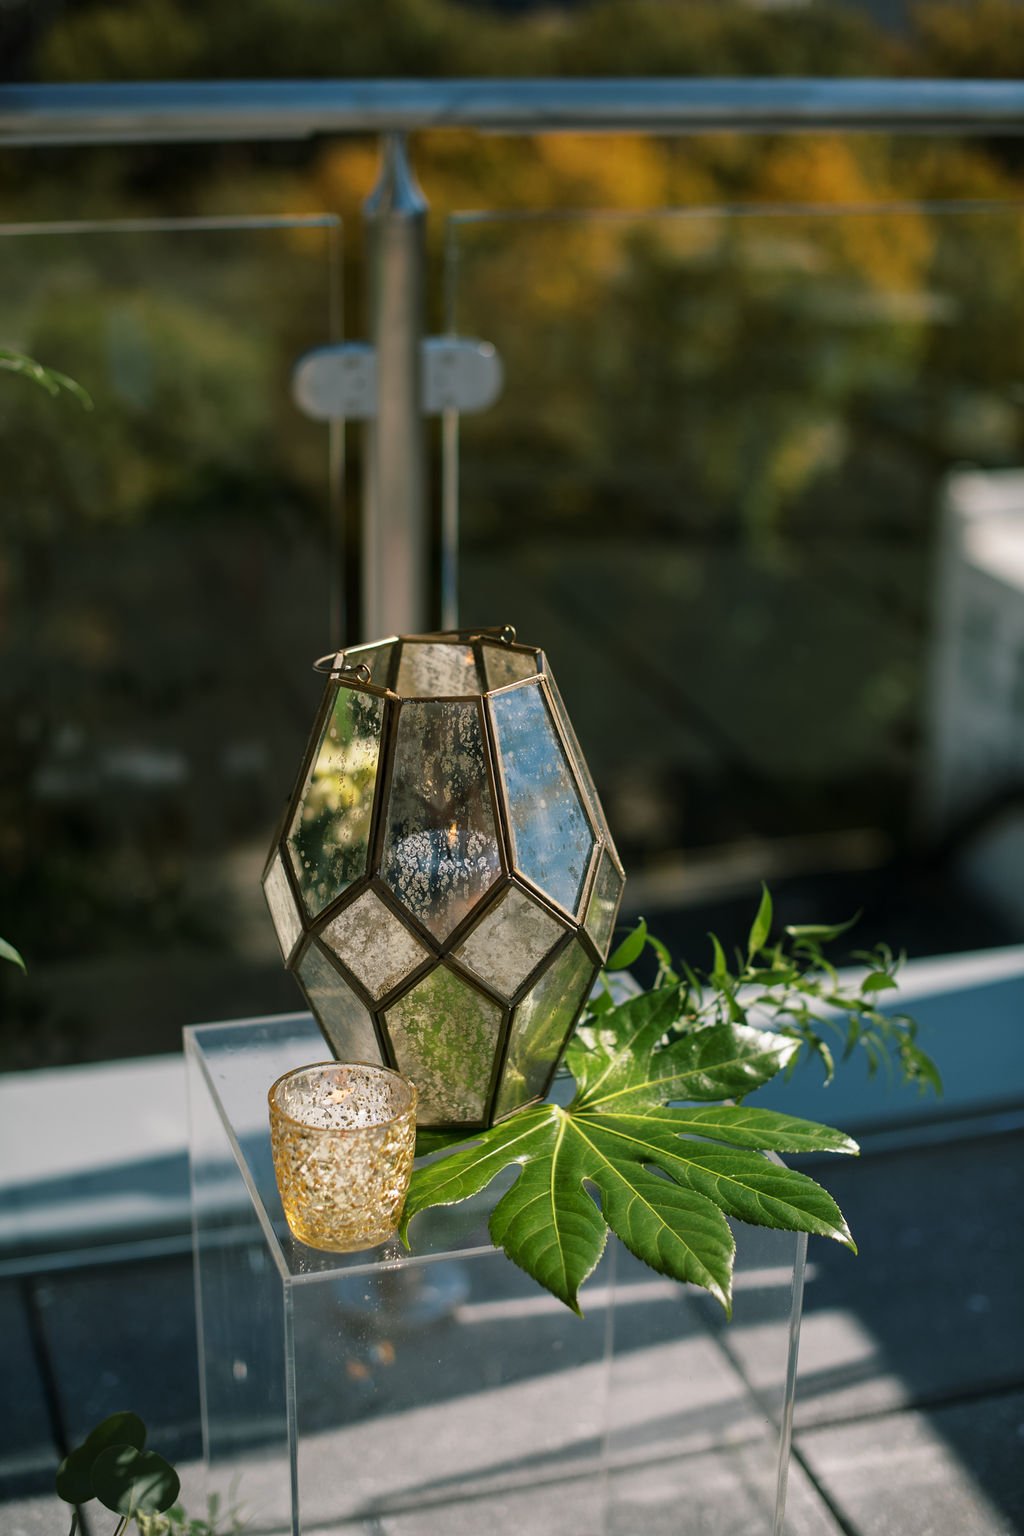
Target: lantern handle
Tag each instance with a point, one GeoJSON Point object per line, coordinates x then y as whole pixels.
{"type": "Point", "coordinates": [334, 663]}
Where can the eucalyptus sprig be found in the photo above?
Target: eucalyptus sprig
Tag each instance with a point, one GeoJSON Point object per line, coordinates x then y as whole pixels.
{"type": "Point", "coordinates": [658, 1144]}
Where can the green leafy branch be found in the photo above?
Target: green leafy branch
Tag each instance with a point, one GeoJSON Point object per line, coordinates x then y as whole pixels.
{"type": "Point", "coordinates": [790, 986]}
{"type": "Point", "coordinates": [657, 1144]}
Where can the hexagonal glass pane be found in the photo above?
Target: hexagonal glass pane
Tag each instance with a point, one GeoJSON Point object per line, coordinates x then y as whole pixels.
{"type": "Point", "coordinates": [444, 1034]}
{"type": "Point", "coordinates": [551, 833]}
{"type": "Point", "coordinates": [441, 845]}
{"type": "Point", "coordinates": [541, 1024]}
{"type": "Point", "coordinates": [603, 905]}
{"type": "Point", "coordinates": [342, 1017]}
{"type": "Point", "coordinates": [503, 665]}
{"type": "Point", "coordinates": [438, 669]}
{"type": "Point", "coordinates": [330, 832]}
{"type": "Point", "coordinates": [374, 944]}
{"type": "Point", "coordinates": [510, 942]}
{"type": "Point", "coordinates": [286, 920]}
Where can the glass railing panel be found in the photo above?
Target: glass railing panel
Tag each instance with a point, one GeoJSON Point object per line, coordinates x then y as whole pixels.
{"type": "Point", "coordinates": [171, 565]}
{"type": "Point", "coordinates": [752, 483]}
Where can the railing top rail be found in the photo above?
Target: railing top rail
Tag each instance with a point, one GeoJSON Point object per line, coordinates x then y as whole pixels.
{"type": "Point", "coordinates": [171, 111]}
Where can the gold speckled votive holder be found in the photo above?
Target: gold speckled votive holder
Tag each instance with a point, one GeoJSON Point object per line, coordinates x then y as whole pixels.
{"type": "Point", "coordinates": [343, 1135]}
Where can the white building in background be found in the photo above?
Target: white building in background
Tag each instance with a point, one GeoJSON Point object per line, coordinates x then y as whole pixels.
{"type": "Point", "coordinates": [975, 749]}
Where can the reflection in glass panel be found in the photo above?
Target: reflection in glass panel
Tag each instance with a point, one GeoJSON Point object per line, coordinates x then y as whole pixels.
{"type": "Point", "coordinates": [604, 903]}
{"type": "Point", "coordinates": [167, 580]}
{"type": "Point", "coordinates": [552, 836]}
{"type": "Point", "coordinates": [377, 657]}
{"type": "Point", "coordinates": [510, 942]}
{"type": "Point", "coordinates": [661, 529]}
{"type": "Point", "coordinates": [503, 665]}
{"type": "Point", "coordinates": [287, 923]}
{"type": "Point", "coordinates": [441, 846]}
{"type": "Point", "coordinates": [374, 944]}
{"type": "Point", "coordinates": [540, 1025]}
{"type": "Point", "coordinates": [433, 671]}
{"type": "Point", "coordinates": [329, 836]}
{"type": "Point", "coordinates": [444, 1034]}
{"type": "Point", "coordinates": [342, 1017]}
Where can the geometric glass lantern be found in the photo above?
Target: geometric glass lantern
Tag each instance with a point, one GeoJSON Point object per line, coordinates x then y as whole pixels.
{"type": "Point", "coordinates": [443, 884]}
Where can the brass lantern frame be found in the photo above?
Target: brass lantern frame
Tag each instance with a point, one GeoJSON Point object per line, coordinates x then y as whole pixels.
{"type": "Point", "coordinates": [353, 669]}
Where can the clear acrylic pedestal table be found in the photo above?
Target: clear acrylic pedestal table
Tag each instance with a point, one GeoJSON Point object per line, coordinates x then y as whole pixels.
{"type": "Point", "coordinates": [443, 1392]}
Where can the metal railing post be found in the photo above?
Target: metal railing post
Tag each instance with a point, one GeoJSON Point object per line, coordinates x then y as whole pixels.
{"type": "Point", "coordinates": [395, 564]}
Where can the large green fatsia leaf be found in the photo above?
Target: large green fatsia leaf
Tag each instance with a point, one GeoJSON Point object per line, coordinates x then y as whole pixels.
{"type": "Point", "coordinates": [662, 1175]}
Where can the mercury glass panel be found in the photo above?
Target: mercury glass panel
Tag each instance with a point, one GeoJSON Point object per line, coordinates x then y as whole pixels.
{"type": "Point", "coordinates": [343, 1019]}
{"type": "Point", "coordinates": [444, 1034]}
{"type": "Point", "coordinates": [441, 846]}
{"type": "Point", "coordinates": [376, 657]}
{"type": "Point", "coordinates": [374, 944]}
{"type": "Point", "coordinates": [604, 903]}
{"type": "Point", "coordinates": [540, 1025]}
{"type": "Point", "coordinates": [331, 831]}
{"type": "Point", "coordinates": [510, 942]}
{"type": "Point", "coordinates": [552, 836]}
{"type": "Point", "coordinates": [502, 665]}
{"type": "Point", "coordinates": [277, 890]}
{"type": "Point", "coordinates": [435, 670]}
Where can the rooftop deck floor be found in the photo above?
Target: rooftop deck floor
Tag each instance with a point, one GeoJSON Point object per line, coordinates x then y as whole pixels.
{"type": "Point", "coordinates": [910, 1405]}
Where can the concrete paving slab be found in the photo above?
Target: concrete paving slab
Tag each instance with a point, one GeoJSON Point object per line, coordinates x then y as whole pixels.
{"type": "Point", "coordinates": [124, 1337]}
{"type": "Point", "coordinates": [930, 1310]}
{"type": "Point", "coordinates": [953, 1471]}
{"type": "Point", "coordinates": [28, 1452]}
{"type": "Point", "coordinates": [44, 1515]}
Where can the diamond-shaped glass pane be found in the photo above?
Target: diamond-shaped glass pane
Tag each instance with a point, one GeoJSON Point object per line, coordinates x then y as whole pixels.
{"type": "Point", "coordinates": [278, 891]}
{"type": "Point", "coordinates": [552, 836]}
{"type": "Point", "coordinates": [343, 1019]}
{"type": "Point", "coordinates": [540, 1025]}
{"type": "Point", "coordinates": [510, 942]}
{"type": "Point", "coordinates": [330, 833]}
{"type": "Point", "coordinates": [441, 845]}
{"type": "Point", "coordinates": [436, 670]}
{"type": "Point", "coordinates": [374, 944]}
{"type": "Point", "coordinates": [444, 1034]}
{"type": "Point", "coordinates": [603, 906]}
{"type": "Point", "coordinates": [504, 665]}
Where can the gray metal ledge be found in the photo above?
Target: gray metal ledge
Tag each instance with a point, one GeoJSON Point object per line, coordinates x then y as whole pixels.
{"type": "Point", "coordinates": [171, 111]}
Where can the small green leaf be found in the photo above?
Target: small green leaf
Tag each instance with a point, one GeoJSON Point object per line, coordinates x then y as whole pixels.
{"type": "Point", "coordinates": [117, 1429]}
{"type": "Point", "coordinates": [47, 378]}
{"type": "Point", "coordinates": [761, 926]}
{"type": "Point", "coordinates": [630, 950]}
{"type": "Point", "coordinates": [74, 1477]}
{"type": "Point", "coordinates": [719, 971]}
{"type": "Point", "coordinates": [823, 931]}
{"type": "Point", "coordinates": [602, 1003]}
{"type": "Point", "coordinates": [878, 981]}
{"type": "Point", "coordinates": [133, 1482]}
{"type": "Point", "coordinates": [8, 952]}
